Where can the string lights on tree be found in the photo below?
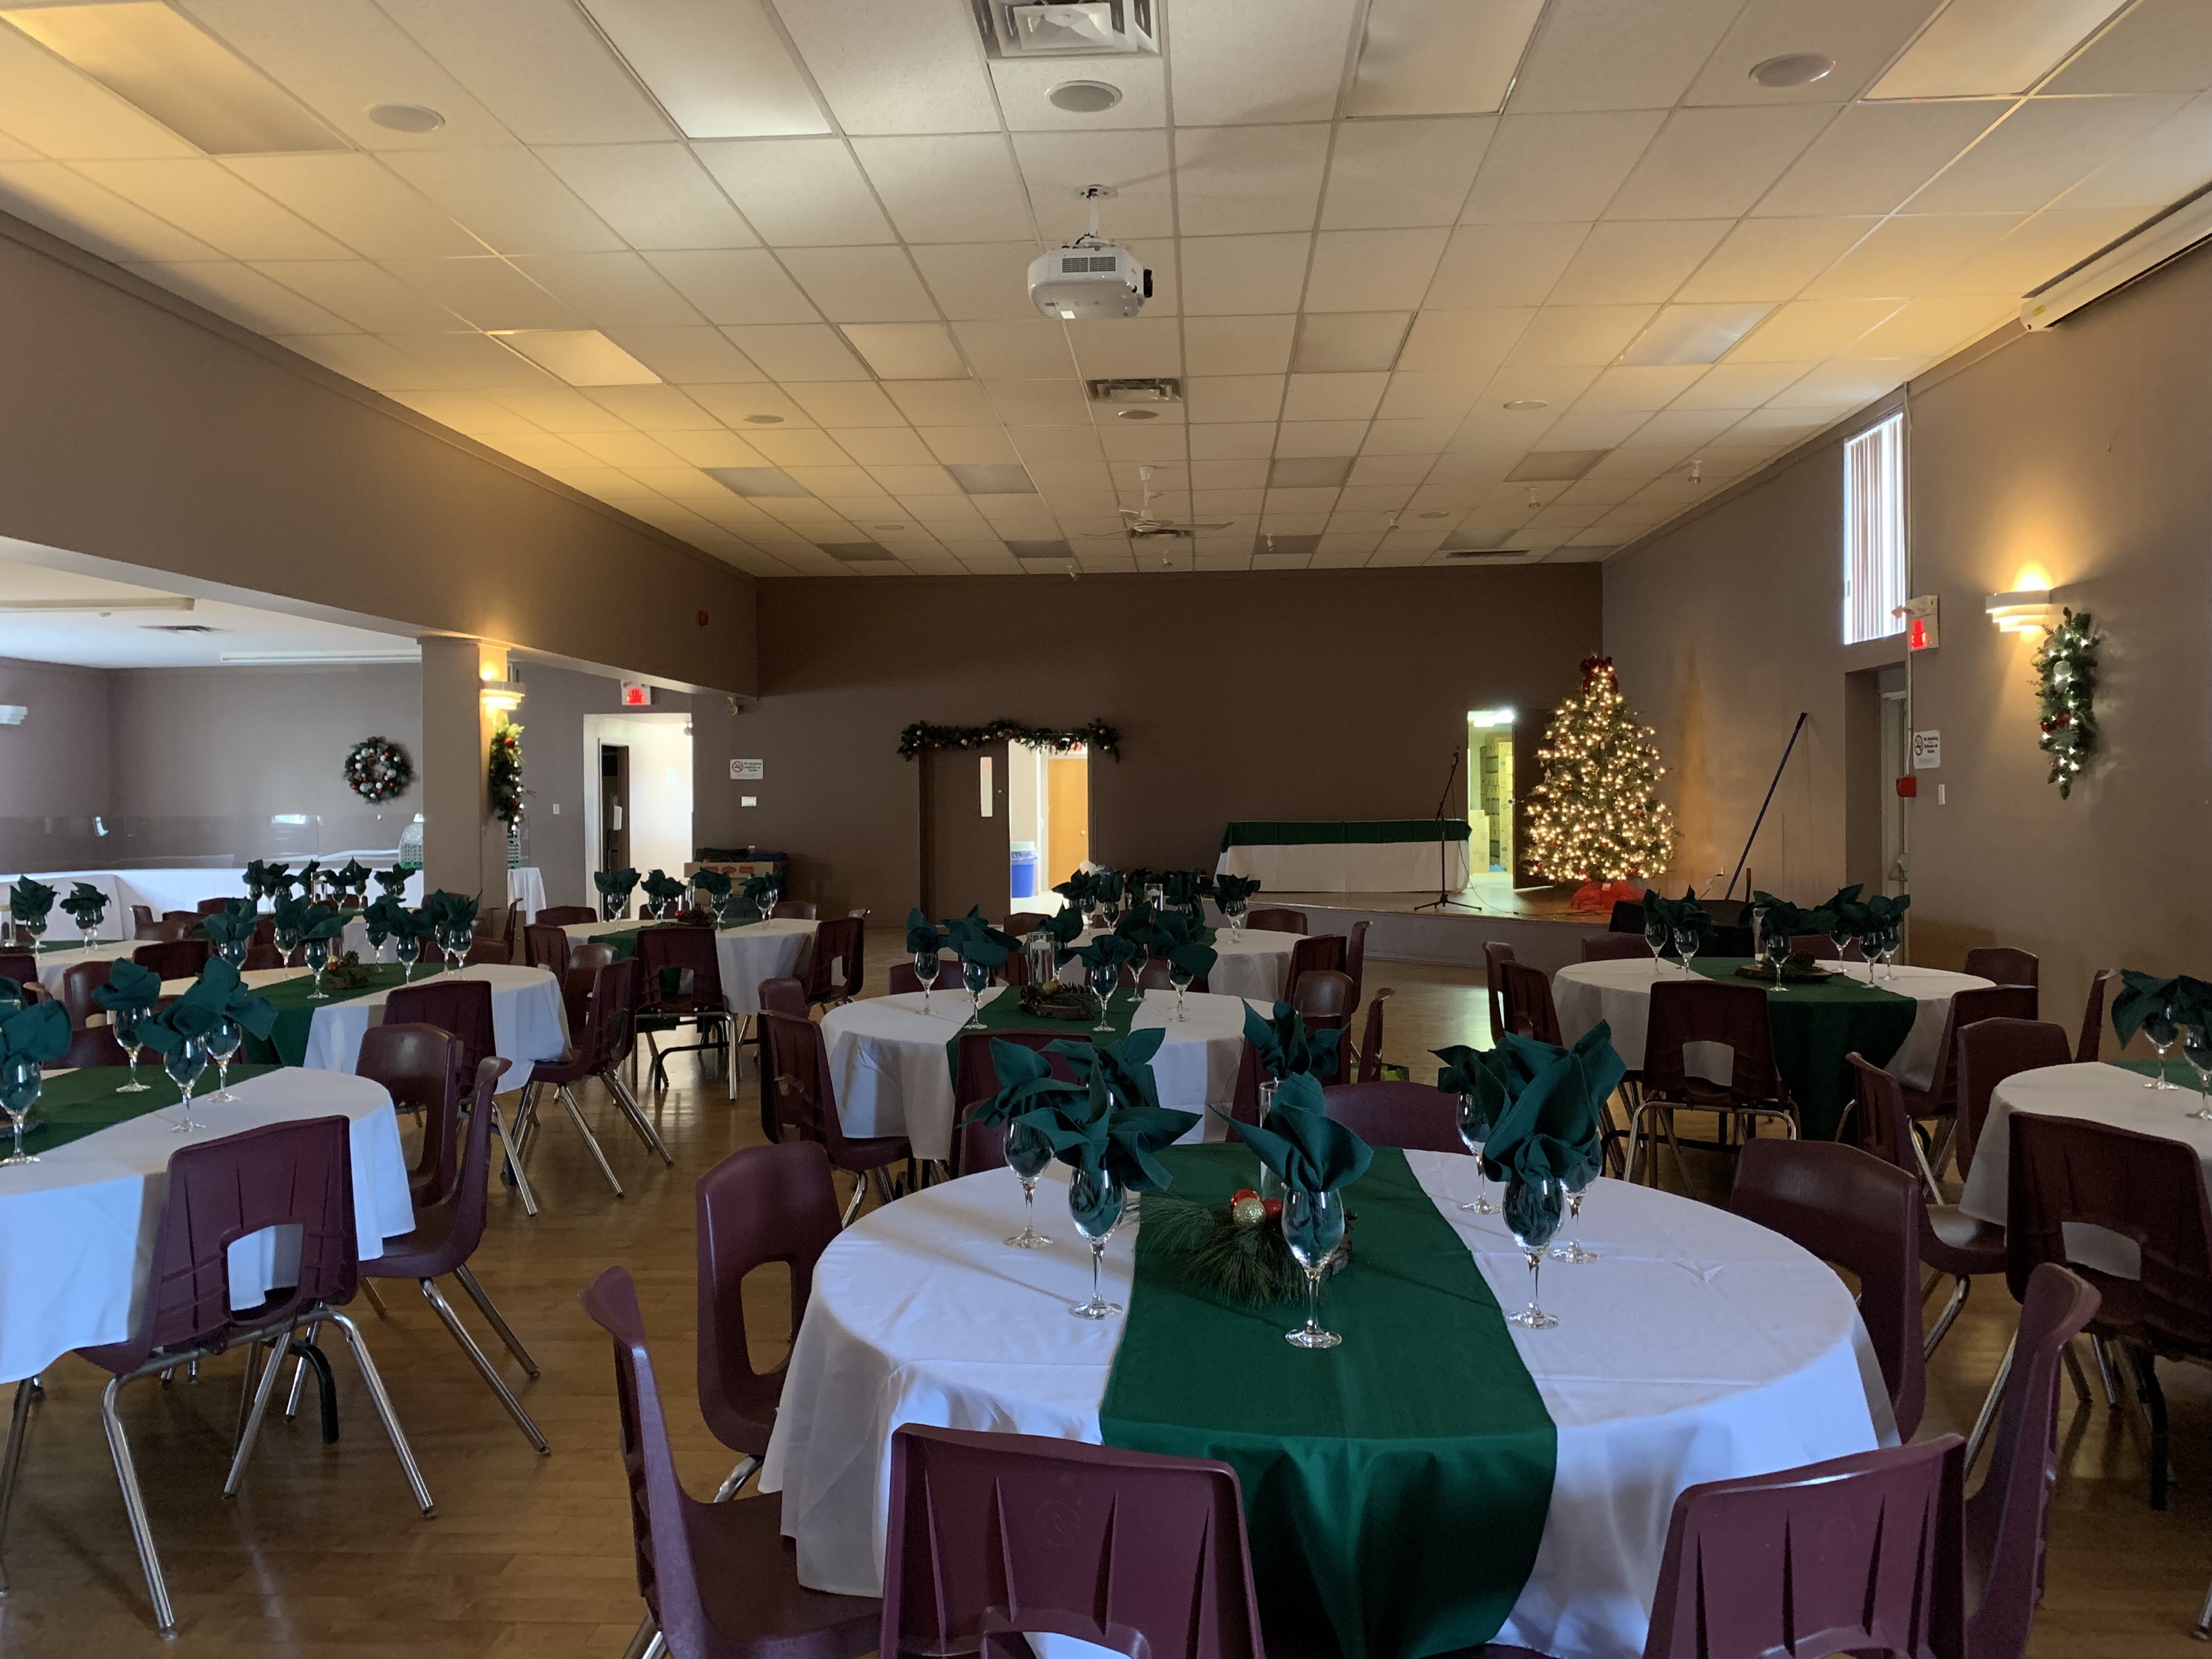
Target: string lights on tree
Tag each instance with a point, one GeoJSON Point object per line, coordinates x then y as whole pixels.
{"type": "Point", "coordinates": [2066, 692]}
{"type": "Point", "coordinates": [1597, 816]}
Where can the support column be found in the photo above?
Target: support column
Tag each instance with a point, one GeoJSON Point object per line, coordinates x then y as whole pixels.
{"type": "Point", "coordinates": [463, 846]}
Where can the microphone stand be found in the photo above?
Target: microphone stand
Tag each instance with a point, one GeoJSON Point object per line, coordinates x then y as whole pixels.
{"type": "Point", "coordinates": [1443, 899]}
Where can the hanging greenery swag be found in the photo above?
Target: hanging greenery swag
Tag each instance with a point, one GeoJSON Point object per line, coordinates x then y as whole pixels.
{"type": "Point", "coordinates": [921, 737]}
{"type": "Point", "coordinates": [2065, 693]}
{"type": "Point", "coordinates": [504, 776]}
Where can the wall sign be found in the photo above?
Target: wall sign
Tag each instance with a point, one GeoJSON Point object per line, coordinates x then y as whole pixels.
{"type": "Point", "coordinates": [740, 770]}
{"type": "Point", "coordinates": [1927, 751]}
{"type": "Point", "coordinates": [986, 774]}
{"type": "Point", "coordinates": [636, 693]}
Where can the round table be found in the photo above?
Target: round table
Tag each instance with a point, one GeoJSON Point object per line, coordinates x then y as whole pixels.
{"type": "Point", "coordinates": [72, 1274]}
{"type": "Point", "coordinates": [54, 965]}
{"type": "Point", "coordinates": [750, 952]}
{"type": "Point", "coordinates": [1256, 964]}
{"type": "Point", "coordinates": [1698, 1347]}
{"type": "Point", "coordinates": [888, 1060]}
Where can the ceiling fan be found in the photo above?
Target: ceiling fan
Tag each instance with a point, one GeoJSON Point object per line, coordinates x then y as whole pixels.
{"type": "Point", "coordinates": [1138, 523]}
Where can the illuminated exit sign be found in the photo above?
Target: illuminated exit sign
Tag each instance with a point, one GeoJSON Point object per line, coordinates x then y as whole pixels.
{"type": "Point", "coordinates": [635, 694]}
{"type": "Point", "coordinates": [1920, 623]}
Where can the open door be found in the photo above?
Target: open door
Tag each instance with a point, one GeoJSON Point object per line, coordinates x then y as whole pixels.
{"type": "Point", "coordinates": [965, 842]}
{"type": "Point", "coordinates": [614, 806]}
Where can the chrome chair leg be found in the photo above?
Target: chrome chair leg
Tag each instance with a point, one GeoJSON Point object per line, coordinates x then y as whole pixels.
{"type": "Point", "coordinates": [599, 1156]}
{"type": "Point", "coordinates": [452, 1321]}
{"type": "Point", "coordinates": [298, 1374]}
{"type": "Point", "coordinates": [476, 1294]}
{"type": "Point", "coordinates": [2103, 1359]}
{"type": "Point", "coordinates": [860, 1196]}
{"type": "Point", "coordinates": [638, 1120]}
{"type": "Point", "coordinates": [19, 1426]}
{"type": "Point", "coordinates": [245, 1384]}
{"type": "Point", "coordinates": [134, 1507]}
{"type": "Point", "coordinates": [389, 1418]}
{"type": "Point", "coordinates": [1951, 1311]}
{"type": "Point", "coordinates": [369, 1290]}
{"type": "Point", "coordinates": [736, 1478]}
{"type": "Point", "coordinates": [2074, 1370]}
{"type": "Point", "coordinates": [513, 1163]}
{"type": "Point", "coordinates": [266, 1387]}
{"type": "Point", "coordinates": [647, 1640]}
{"type": "Point", "coordinates": [1989, 1412]}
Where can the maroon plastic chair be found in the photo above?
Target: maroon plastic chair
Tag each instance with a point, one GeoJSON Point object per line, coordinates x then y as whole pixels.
{"type": "Point", "coordinates": [1821, 947]}
{"type": "Point", "coordinates": [596, 1051]}
{"type": "Point", "coordinates": [424, 1068]}
{"type": "Point", "coordinates": [798, 1080]}
{"type": "Point", "coordinates": [1494, 958]}
{"type": "Point", "coordinates": [143, 925]}
{"type": "Point", "coordinates": [1615, 947]}
{"type": "Point", "coordinates": [214, 907]}
{"type": "Point", "coordinates": [795, 910]}
{"type": "Point", "coordinates": [565, 915]}
{"type": "Point", "coordinates": [1526, 993]}
{"type": "Point", "coordinates": [1857, 1553]}
{"type": "Point", "coordinates": [991, 1534]}
{"type": "Point", "coordinates": [447, 1233]}
{"type": "Point", "coordinates": [582, 972]}
{"type": "Point", "coordinates": [687, 954]}
{"type": "Point", "coordinates": [842, 941]}
{"type": "Point", "coordinates": [545, 947]}
{"type": "Point", "coordinates": [1370, 1039]}
{"type": "Point", "coordinates": [22, 967]}
{"type": "Point", "coordinates": [1317, 953]}
{"type": "Point", "coordinates": [296, 1175]}
{"type": "Point", "coordinates": [1850, 1208]}
{"type": "Point", "coordinates": [1699, 1010]}
{"type": "Point", "coordinates": [79, 981]}
{"type": "Point", "coordinates": [760, 1204]}
{"type": "Point", "coordinates": [1413, 1115]}
{"type": "Point", "coordinates": [1990, 1051]}
{"type": "Point", "coordinates": [94, 1045]}
{"type": "Point", "coordinates": [175, 958]}
{"type": "Point", "coordinates": [2001, 964]}
{"type": "Point", "coordinates": [720, 1580]}
{"type": "Point", "coordinates": [1279, 918]}
{"type": "Point", "coordinates": [494, 952]}
{"type": "Point", "coordinates": [1324, 998]}
{"type": "Point", "coordinates": [783, 995]}
{"type": "Point", "coordinates": [1939, 1099]}
{"type": "Point", "coordinates": [462, 1006]}
{"type": "Point", "coordinates": [2090, 1043]}
{"type": "Point", "coordinates": [1355, 960]}
{"type": "Point", "coordinates": [904, 980]}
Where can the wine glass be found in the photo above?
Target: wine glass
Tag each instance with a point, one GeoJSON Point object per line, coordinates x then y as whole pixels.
{"type": "Point", "coordinates": [925, 969]}
{"type": "Point", "coordinates": [318, 957]}
{"type": "Point", "coordinates": [288, 941]}
{"type": "Point", "coordinates": [1104, 976]}
{"type": "Point", "coordinates": [1235, 912]}
{"type": "Point", "coordinates": [1892, 941]}
{"type": "Point", "coordinates": [1870, 948]}
{"type": "Point", "coordinates": [1574, 1250]}
{"type": "Point", "coordinates": [1180, 979]}
{"type": "Point", "coordinates": [1027, 1153]}
{"type": "Point", "coordinates": [1841, 938]}
{"type": "Point", "coordinates": [1313, 1226]}
{"type": "Point", "coordinates": [1655, 937]}
{"type": "Point", "coordinates": [222, 1046]}
{"type": "Point", "coordinates": [233, 950]}
{"type": "Point", "coordinates": [1267, 1183]}
{"type": "Point", "coordinates": [88, 927]}
{"type": "Point", "coordinates": [1687, 940]}
{"type": "Point", "coordinates": [36, 928]}
{"type": "Point", "coordinates": [1533, 1222]}
{"type": "Point", "coordinates": [1095, 1198]}
{"type": "Point", "coordinates": [1777, 947]}
{"type": "Point", "coordinates": [19, 1092]}
{"type": "Point", "coordinates": [184, 1064]}
{"type": "Point", "coordinates": [1474, 1131]}
{"type": "Point", "coordinates": [977, 978]}
{"type": "Point", "coordinates": [126, 1033]}
{"type": "Point", "coordinates": [2161, 1029]}
{"type": "Point", "coordinates": [456, 942]}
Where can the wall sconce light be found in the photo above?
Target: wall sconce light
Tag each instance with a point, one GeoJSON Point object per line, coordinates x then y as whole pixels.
{"type": "Point", "coordinates": [2025, 611]}
{"type": "Point", "coordinates": [501, 697]}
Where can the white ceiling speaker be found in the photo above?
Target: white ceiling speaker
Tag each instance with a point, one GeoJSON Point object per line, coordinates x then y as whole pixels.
{"type": "Point", "coordinates": [1793, 69]}
{"type": "Point", "coordinates": [406, 118]}
{"type": "Point", "coordinates": [1089, 277]}
{"type": "Point", "coordinates": [1083, 97]}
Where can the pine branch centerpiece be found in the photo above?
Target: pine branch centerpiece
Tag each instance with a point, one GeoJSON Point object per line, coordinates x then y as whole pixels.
{"type": "Point", "coordinates": [2065, 695]}
{"type": "Point", "coordinates": [1596, 819]}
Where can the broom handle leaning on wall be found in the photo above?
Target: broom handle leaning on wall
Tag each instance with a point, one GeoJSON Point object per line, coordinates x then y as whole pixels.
{"type": "Point", "coordinates": [1730, 891]}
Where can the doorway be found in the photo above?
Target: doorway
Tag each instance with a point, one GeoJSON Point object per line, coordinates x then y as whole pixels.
{"type": "Point", "coordinates": [614, 806]}
{"type": "Point", "coordinates": [1489, 795]}
{"type": "Point", "coordinates": [639, 816]}
{"type": "Point", "coordinates": [1896, 758]}
{"type": "Point", "coordinates": [1877, 745]}
{"type": "Point", "coordinates": [1048, 823]}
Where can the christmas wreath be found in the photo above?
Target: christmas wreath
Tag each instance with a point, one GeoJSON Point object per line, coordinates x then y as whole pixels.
{"type": "Point", "coordinates": [2065, 695]}
{"type": "Point", "coordinates": [377, 769]}
{"type": "Point", "coordinates": [922, 736]}
{"type": "Point", "coordinates": [504, 776]}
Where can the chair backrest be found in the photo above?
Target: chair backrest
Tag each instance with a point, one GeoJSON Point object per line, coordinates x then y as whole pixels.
{"type": "Point", "coordinates": [495, 952]}
{"type": "Point", "coordinates": [788, 996]}
{"type": "Point", "coordinates": [1322, 997]}
{"type": "Point", "coordinates": [585, 961]}
{"type": "Point", "coordinates": [469, 1199]}
{"type": "Point", "coordinates": [1990, 1051]}
{"type": "Point", "coordinates": [1855, 1553]}
{"type": "Point", "coordinates": [760, 1204]}
{"type": "Point", "coordinates": [1615, 947]}
{"type": "Point", "coordinates": [1022, 923]}
{"type": "Point", "coordinates": [1696, 1009]}
{"type": "Point", "coordinates": [1495, 955]}
{"type": "Point", "coordinates": [545, 947]}
{"type": "Point", "coordinates": [1371, 1039]}
{"type": "Point", "coordinates": [1276, 919]}
{"type": "Point", "coordinates": [1852, 1208]}
{"type": "Point", "coordinates": [2001, 964]}
{"type": "Point", "coordinates": [1822, 948]}
{"type": "Point", "coordinates": [975, 1075]}
{"type": "Point", "coordinates": [79, 981]}
{"type": "Point", "coordinates": [424, 1067]}
{"type": "Point", "coordinates": [990, 1534]}
{"type": "Point", "coordinates": [565, 915]}
{"type": "Point", "coordinates": [800, 1090]}
{"type": "Point", "coordinates": [904, 979]}
{"type": "Point", "coordinates": [841, 941]}
{"type": "Point", "coordinates": [176, 959]}
{"type": "Point", "coordinates": [299, 1174]}
{"type": "Point", "coordinates": [681, 946]}
{"type": "Point", "coordinates": [1244, 1099]}
{"type": "Point", "coordinates": [1526, 993]}
{"type": "Point", "coordinates": [462, 1006]}
{"type": "Point", "coordinates": [94, 1045]}
{"type": "Point", "coordinates": [610, 1028]}
{"type": "Point", "coordinates": [1355, 960]}
{"type": "Point", "coordinates": [2005, 1519]}
{"type": "Point", "coordinates": [1152, 977]}
{"type": "Point", "coordinates": [1885, 1125]}
{"type": "Point", "coordinates": [795, 911]}
{"type": "Point", "coordinates": [2066, 1170]}
{"type": "Point", "coordinates": [1318, 953]}
{"type": "Point", "coordinates": [212, 907]}
{"type": "Point", "coordinates": [1627, 917]}
{"type": "Point", "coordinates": [1968, 1007]}
{"type": "Point", "coordinates": [1413, 1115]}
{"type": "Point", "coordinates": [2092, 1015]}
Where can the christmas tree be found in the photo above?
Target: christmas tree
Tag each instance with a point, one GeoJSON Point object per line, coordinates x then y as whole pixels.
{"type": "Point", "coordinates": [1595, 818]}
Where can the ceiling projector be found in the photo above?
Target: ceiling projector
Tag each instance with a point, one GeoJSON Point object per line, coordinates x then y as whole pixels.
{"type": "Point", "coordinates": [1091, 276]}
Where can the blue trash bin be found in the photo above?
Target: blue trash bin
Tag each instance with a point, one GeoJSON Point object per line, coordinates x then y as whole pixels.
{"type": "Point", "coordinates": [1024, 870]}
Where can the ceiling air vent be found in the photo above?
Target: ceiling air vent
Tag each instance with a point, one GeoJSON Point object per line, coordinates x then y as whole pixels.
{"type": "Point", "coordinates": [1485, 552]}
{"type": "Point", "coordinates": [180, 628]}
{"type": "Point", "coordinates": [1139, 393]}
{"type": "Point", "coordinates": [857, 552]}
{"type": "Point", "coordinates": [1089, 28]}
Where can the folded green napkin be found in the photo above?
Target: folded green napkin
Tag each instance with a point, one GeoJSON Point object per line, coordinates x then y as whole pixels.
{"type": "Point", "coordinates": [1544, 1134]}
{"type": "Point", "coordinates": [1185, 889]}
{"type": "Point", "coordinates": [266, 880]}
{"type": "Point", "coordinates": [1302, 1144]}
{"type": "Point", "coordinates": [1234, 890]}
{"type": "Point", "coordinates": [1285, 1047]}
{"type": "Point", "coordinates": [232, 925]}
{"type": "Point", "coordinates": [757, 888]}
{"type": "Point", "coordinates": [1196, 958]}
{"type": "Point", "coordinates": [308, 873]}
{"type": "Point", "coordinates": [1080, 889]}
{"type": "Point", "coordinates": [1108, 1121]}
{"type": "Point", "coordinates": [1778, 916]}
{"type": "Point", "coordinates": [321, 921]}
{"type": "Point", "coordinates": [1105, 949]}
{"type": "Point", "coordinates": [1887, 912]}
{"type": "Point", "coordinates": [1139, 925]}
{"type": "Point", "coordinates": [352, 877]}
{"type": "Point", "coordinates": [2146, 997]}
{"type": "Point", "coordinates": [714, 884]}
{"type": "Point", "coordinates": [662, 886]}
{"type": "Point", "coordinates": [86, 904]}
{"type": "Point", "coordinates": [291, 916]}
{"type": "Point", "coordinates": [1106, 886]}
{"type": "Point", "coordinates": [1065, 926]}
{"type": "Point", "coordinates": [394, 880]}
{"type": "Point", "coordinates": [922, 938]}
{"type": "Point", "coordinates": [40, 1033]}
{"type": "Point", "coordinates": [1684, 914]}
{"type": "Point", "coordinates": [130, 987]}
{"type": "Point", "coordinates": [446, 909]}
{"type": "Point", "coordinates": [388, 917]}
{"type": "Point", "coordinates": [975, 940]}
{"type": "Point", "coordinates": [216, 996]}
{"type": "Point", "coordinates": [31, 901]}
{"type": "Point", "coordinates": [615, 884]}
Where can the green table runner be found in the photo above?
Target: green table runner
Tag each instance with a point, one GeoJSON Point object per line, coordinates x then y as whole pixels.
{"type": "Point", "coordinates": [1003, 1014]}
{"type": "Point", "coordinates": [287, 1044]}
{"type": "Point", "coordinates": [1252, 833]}
{"type": "Point", "coordinates": [1396, 1488]}
{"type": "Point", "coordinates": [624, 940]}
{"type": "Point", "coordinates": [85, 1101]}
{"type": "Point", "coordinates": [1815, 1026]}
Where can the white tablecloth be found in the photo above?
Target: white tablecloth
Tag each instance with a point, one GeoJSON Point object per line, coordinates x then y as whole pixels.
{"type": "Point", "coordinates": [53, 964]}
{"type": "Point", "coordinates": [1699, 1348]}
{"type": "Point", "coordinates": [76, 1227]}
{"type": "Point", "coordinates": [1619, 993]}
{"type": "Point", "coordinates": [888, 1060]}
{"type": "Point", "coordinates": [1254, 965]}
{"type": "Point", "coordinates": [775, 949]}
{"type": "Point", "coordinates": [183, 888]}
{"type": "Point", "coordinates": [1381, 867]}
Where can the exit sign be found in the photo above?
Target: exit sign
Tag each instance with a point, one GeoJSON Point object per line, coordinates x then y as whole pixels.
{"type": "Point", "coordinates": [635, 694]}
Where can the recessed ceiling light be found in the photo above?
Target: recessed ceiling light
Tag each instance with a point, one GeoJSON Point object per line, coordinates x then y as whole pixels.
{"type": "Point", "coordinates": [1793, 69]}
{"type": "Point", "coordinates": [1083, 97]}
{"type": "Point", "coordinates": [1529, 403]}
{"type": "Point", "coordinates": [406, 118]}
{"type": "Point", "coordinates": [763, 420]}
{"type": "Point", "coordinates": [581, 356]}
{"type": "Point", "coordinates": [1139, 413]}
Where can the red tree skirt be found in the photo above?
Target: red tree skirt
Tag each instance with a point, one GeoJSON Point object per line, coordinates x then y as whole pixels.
{"type": "Point", "coordinates": [1602, 895]}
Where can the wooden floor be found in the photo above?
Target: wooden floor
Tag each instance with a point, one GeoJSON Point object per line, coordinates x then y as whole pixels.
{"type": "Point", "coordinates": [323, 1554]}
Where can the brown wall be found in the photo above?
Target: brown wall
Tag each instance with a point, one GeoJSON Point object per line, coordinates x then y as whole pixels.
{"type": "Point", "coordinates": [2083, 449]}
{"type": "Point", "coordinates": [137, 428]}
{"type": "Point", "coordinates": [54, 768]}
{"type": "Point", "coordinates": [554, 769]}
{"type": "Point", "coordinates": [1304, 695]}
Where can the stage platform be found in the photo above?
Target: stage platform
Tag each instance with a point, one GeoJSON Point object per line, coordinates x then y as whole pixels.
{"type": "Point", "coordinates": [1535, 921]}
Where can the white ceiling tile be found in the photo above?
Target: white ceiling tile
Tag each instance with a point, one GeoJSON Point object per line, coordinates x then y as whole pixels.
{"type": "Point", "coordinates": [977, 281]}
{"type": "Point", "coordinates": [245, 295]}
{"type": "Point", "coordinates": [1390, 174]}
{"type": "Point", "coordinates": [1039, 402]}
{"type": "Point", "coordinates": [368, 296]}
{"type": "Point", "coordinates": [736, 404]}
{"type": "Point", "coordinates": [1348, 342]}
{"type": "Point", "coordinates": [1036, 350]}
{"type": "Point", "coordinates": [1861, 38]}
{"type": "Point", "coordinates": [1671, 427]}
{"type": "Point", "coordinates": [971, 446]}
{"type": "Point", "coordinates": [1234, 398]}
{"type": "Point", "coordinates": [942, 403]}
{"type": "Point", "coordinates": [1333, 396]}
{"type": "Point", "coordinates": [907, 351]}
{"type": "Point", "coordinates": [467, 411]}
{"type": "Point", "coordinates": [472, 361]}
{"type": "Point", "coordinates": [356, 201]}
{"type": "Point", "coordinates": [1810, 328]}
{"type": "Point", "coordinates": [903, 66]}
{"type": "Point", "coordinates": [2157, 46]}
{"type": "Point", "coordinates": [787, 449]}
{"type": "Point", "coordinates": [1872, 156]}
{"type": "Point", "coordinates": [1058, 457]}
{"type": "Point", "coordinates": [1626, 260]}
{"type": "Point", "coordinates": [653, 196]}
{"type": "Point", "coordinates": [486, 292]}
{"type": "Point", "coordinates": [70, 117]}
{"type": "Point", "coordinates": [2166, 164]}
{"type": "Point", "coordinates": [1717, 162]}
{"type": "Point", "coordinates": [686, 357]}
{"type": "Point", "coordinates": [1419, 439]}
{"type": "Point", "coordinates": [1471, 343]}
{"type": "Point", "coordinates": [719, 70]}
{"type": "Point", "coordinates": [1557, 168]}
{"type": "Point", "coordinates": [559, 409]}
{"type": "Point", "coordinates": [1846, 381]}
{"type": "Point", "coordinates": [1740, 385]}
{"type": "Point", "coordinates": [1618, 54]}
{"type": "Point", "coordinates": [1906, 254]}
{"type": "Point", "coordinates": [1239, 180]}
{"type": "Point", "coordinates": [846, 402]}
{"type": "Point", "coordinates": [1228, 72]}
{"type": "Point", "coordinates": [1373, 270]}
{"type": "Point", "coordinates": [1770, 259]}
{"type": "Point", "coordinates": [1503, 264]}
{"type": "Point", "coordinates": [786, 352]}
{"type": "Point", "coordinates": [2051, 241]}
{"type": "Point", "coordinates": [1239, 345]}
{"type": "Point", "coordinates": [1937, 327]}
{"type": "Point", "coordinates": [1776, 426]}
{"type": "Point", "coordinates": [375, 363]}
{"type": "Point", "coordinates": [882, 446]}
{"type": "Point", "coordinates": [1025, 85]}
{"type": "Point", "coordinates": [1134, 165]}
{"type": "Point", "coordinates": [1127, 348]}
{"type": "Point", "coordinates": [1580, 335]}
{"type": "Point", "coordinates": [204, 200]}
{"type": "Point", "coordinates": [952, 188]}
{"type": "Point", "coordinates": [539, 449]}
{"type": "Point", "coordinates": [860, 284]}
{"type": "Point", "coordinates": [720, 447]}
{"type": "Point", "coordinates": [508, 198]}
{"type": "Point", "coordinates": [734, 285]}
{"type": "Point", "coordinates": [2043, 148]}
{"type": "Point", "coordinates": [1417, 396]}
{"type": "Point", "coordinates": [658, 409]}
{"type": "Point", "coordinates": [54, 197]}
{"type": "Point", "coordinates": [798, 192]}
{"type": "Point", "coordinates": [538, 65]}
{"type": "Point", "coordinates": [1639, 388]}
{"type": "Point", "coordinates": [612, 291]}
{"type": "Point", "coordinates": [916, 485]}
{"type": "Point", "coordinates": [1225, 276]}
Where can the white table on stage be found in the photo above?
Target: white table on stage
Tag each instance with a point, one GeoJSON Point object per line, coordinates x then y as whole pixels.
{"type": "Point", "coordinates": [76, 1227]}
{"type": "Point", "coordinates": [1698, 1347]}
{"type": "Point", "coordinates": [53, 964]}
{"type": "Point", "coordinates": [525, 886]}
{"type": "Point", "coordinates": [1619, 993]}
{"type": "Point", "coordinates": [1386, 866]}
{"type": "Point", "coordinates": [114, 923]}
{"type": "Point", "coordinates": [777, 948]}
{"type": "Point", "coordinates": [1254, 965]}
{"type": "Point", "coordinates": [888, 1061]}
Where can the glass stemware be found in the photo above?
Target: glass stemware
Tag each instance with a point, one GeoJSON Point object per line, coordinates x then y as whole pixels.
{"type": "Point", "coordinates": [184, 1064]}
{"type": "Point", "coordinates": [1313, 1226]}
{"type": "Point", "coordinates": [318, 957]}
{"type": "Point", "coordinates": [233, 950]}
{"type": "Point", "coordinates": [1474, 1131]}
{"type": "Point", "coordinates": [222, 1046]}
{"type": "Point", "coordinates": [1267, 1183]}
{"type": "Point", "coordinates": [1095, 1199]}
{"type": "Point", "coordinates": [1104, 978]}
{"type": "Point", "coordinates": [2197, 1049]}
{"type": "Point", "coordinates": [1656, 938]}
{"type": "Point", "coordinates": [36, 928]}
{"type": "Point", "coordinates": [925, 969]}
{"type": "Point", "coordinates": [88, 933]}
{"type": "Point", "coordinates": [977, 978]}
{"type": "Point", "coordinates": [1180, 979]}
{"type": "Point", "coordinates": [1027, 1153]}
{"type": "Point", "coordinates": [288, 941]}
{"type": "Point", "coordinates": [1777, 949]}
{"type": "Point", "coordinates": [126, 1033]}
{"type": "Point", "coordinates": [1573, 1249]}
{"type": "Point", "coordinates": [2161, 1029]}
{"type": "Point", "coordinates": [1532, 1233]}
{"type": "Point", "coordinates": [1841, 938]}
{"type": "Point", "coordinates": [1892, 941]}
{"type": "Point", "coordinates": [1234, 914]}
{"type": "Point", "coordinates": [1870, 948]}
{"type": "Point", "coordinates": [19, 1092]}
{"type": "Point", "coordinates": [1687, 940]}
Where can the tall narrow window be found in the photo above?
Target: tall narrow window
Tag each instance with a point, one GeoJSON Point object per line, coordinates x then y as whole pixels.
{"type": "Point", "coordinates": [1874, 531]}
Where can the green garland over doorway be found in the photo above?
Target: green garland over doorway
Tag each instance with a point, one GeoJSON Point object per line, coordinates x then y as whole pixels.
{"type": "Point", "coordinates": [921, 737]}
